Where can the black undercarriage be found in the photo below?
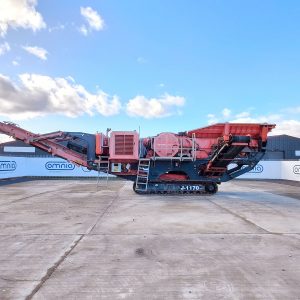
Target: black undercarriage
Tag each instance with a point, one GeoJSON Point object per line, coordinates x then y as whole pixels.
{"type": "Point", "coordinates": [171, 188]}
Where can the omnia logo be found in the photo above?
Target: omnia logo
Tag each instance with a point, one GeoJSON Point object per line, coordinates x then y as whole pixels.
{"type": "Point", "coordinates": [6, 165]}
{"type": "Point", "coordinates": [59, 166]}
{"type": "Point", "coordinates": [296, 169]}
{"type": "Point", "coordinates": [257, 169]}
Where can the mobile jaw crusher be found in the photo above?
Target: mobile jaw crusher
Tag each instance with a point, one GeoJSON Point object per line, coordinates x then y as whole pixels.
{"type": "Point", "coordinates": [194, 161]}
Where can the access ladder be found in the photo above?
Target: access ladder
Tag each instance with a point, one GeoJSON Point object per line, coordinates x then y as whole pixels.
{"type": "Point", "coordinates": [142, 175]}
{"type": "Point", "coordinates": [103, 166]}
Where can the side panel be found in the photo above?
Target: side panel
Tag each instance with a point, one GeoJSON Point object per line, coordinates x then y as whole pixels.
{"type": "Point", "coordinates": [12, 167]}
{"type": "Point", "coordinates": [99, 149]}
{"type": "Point", "coordinates": [124, 145]}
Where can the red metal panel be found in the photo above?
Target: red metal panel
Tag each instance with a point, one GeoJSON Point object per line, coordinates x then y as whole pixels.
{"type": "Point", "coordinates": [224, 129]}
{"type": "Point", "coordinates": [43, 143]}
{"type": "Point", "coordinates": [124, 145]}
{"type": "Point", "coordinates": [99, 143]}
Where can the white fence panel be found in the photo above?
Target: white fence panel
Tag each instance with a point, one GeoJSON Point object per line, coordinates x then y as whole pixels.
{"type": "Point", "coordinates": [291, 170]}
{"type": "Point", "coordinates": [55, 167]}
{"type": "Point", "coordinates": [265, 169]}
{"type": "Point", "coordinates": [41, 166]}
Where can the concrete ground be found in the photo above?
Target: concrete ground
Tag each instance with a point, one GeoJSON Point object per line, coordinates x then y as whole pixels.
{"type": "Point", "coordinates": [66, 240]}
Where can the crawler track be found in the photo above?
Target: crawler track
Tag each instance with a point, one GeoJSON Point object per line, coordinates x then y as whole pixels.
{"type": "Point", "coordinates": [180, 188]}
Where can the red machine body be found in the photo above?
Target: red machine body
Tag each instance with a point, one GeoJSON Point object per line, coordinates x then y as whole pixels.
{"type": "Point", "coordinates": [203, 139]}
{"type": "Point", "coordinates": [195, 160]}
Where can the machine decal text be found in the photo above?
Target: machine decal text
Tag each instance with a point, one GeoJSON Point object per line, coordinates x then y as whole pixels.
{"type": "Point", "coordinates": [296, 169]}
{"type": "Point", "coordinates": [59, 166]}
{"type": "Point", "coordinates": [8, 166]}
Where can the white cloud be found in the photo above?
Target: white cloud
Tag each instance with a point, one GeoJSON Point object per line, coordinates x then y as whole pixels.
{"type": "Point", "coordinates": [243, 114]}
{"type": "Point", "coordinates": [93, 19]}
{"type": "Point", "coordinates": [226, 113]}
{"type": "Point", "coordinates": [19, 13]}
{"type": "Point", "coordinates": [161, 85]}
{"type": "Point", "coordinates": [83, 29]}
{"type": "Point", "coordinates": [5, 138]}
{"type": "Point", "coordinates": [57, 28]}
{"type": "Point", "coordinates": [167, 105]}
{"type": "Point", "coordinates": [38, 95]}
{"type": "Point", "coordinates": [39, 52]}
{"type": "Point", "coordinates": [4, 48]}
{"type": "Point", "coordinates": [289, 127]}
{"type": "Point", "coordinates": [212, 119]}
{"type": "Point", "coordinates": [15, 63]}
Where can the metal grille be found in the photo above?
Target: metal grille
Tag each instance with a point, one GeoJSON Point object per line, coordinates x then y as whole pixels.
{"type": "Point", "coordinates": [124, 144]}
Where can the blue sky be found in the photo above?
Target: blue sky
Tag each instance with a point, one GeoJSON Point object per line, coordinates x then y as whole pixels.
{"type": "Point", "coordinates": [161, 65]}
